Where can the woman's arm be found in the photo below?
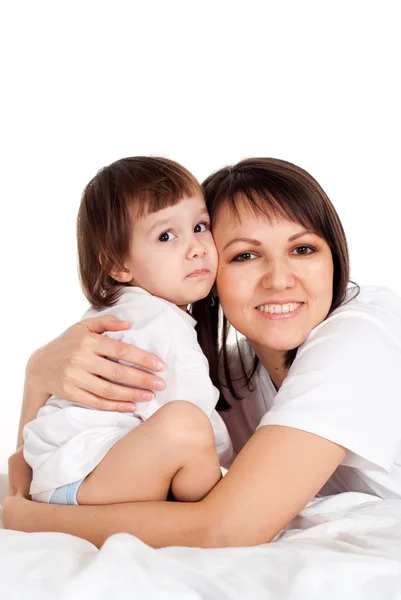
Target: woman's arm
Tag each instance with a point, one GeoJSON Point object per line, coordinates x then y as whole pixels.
{"type": "Point", "coordinates": [275, 475]}
{"type": "Point", "coordinates": [32, 400]}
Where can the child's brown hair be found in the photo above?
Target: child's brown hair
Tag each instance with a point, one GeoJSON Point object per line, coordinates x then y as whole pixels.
{"type": "Point", "coordinates": [105, 217]}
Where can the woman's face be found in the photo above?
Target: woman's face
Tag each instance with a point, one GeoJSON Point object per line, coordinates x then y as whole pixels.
{"type": "Point", "coordinates": [274, 279]}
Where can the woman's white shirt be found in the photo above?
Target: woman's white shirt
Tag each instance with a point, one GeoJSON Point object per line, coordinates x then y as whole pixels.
{"type": "Point", "coordinates": [344, 385]}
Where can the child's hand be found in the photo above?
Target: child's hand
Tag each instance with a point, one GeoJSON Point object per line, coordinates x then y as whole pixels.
{"type": "Point", "coordinates": [19, 475]}
{"type": "Point", "coordinates": [19, 481]}
{"type": "Point", "coordinates": [74, 367]}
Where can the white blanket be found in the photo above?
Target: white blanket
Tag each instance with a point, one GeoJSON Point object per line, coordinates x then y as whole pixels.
{"type": "Point", "coordinates": [343, 547]}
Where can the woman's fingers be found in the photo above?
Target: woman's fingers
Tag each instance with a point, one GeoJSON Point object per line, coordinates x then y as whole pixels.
{"type": "Point", "coordinates": [107, 346]}
{"type": "Point", "coordinates": [108, 390]}
{"type": "Point", "coordinates": [128, 376]}
{"type": "Point", "coordinates": [82, 396]}
{"type": "Point", "coordinates": [77, 361]}
{"type": "Point", "coordinates": [104, 323]}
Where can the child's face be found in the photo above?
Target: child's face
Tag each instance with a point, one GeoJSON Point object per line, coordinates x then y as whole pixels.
{"type": "Point", "coordinates": [172, 253]}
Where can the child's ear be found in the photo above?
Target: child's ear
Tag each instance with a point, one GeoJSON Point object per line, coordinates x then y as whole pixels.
{"type": "Point", "coordinates": [120, 273]}
{"type": "Point", "coordinates": [123, 276]}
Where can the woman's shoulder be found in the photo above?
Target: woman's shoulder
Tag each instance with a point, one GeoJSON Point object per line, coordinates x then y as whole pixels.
{"type": "Point", "coordinates": [371, 309]}
{"type": "Point", "coordinates": [344, 382]}
{"type": "Point", "coordinates": [376, 301]}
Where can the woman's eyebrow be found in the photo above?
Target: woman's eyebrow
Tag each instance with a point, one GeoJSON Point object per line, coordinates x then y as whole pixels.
{"type": "Point", "coordinates": [251, 241]}
{"type": "Point", "coordinates": [300, 234]}
{"type": "Point", "coordinates": [255, 242]}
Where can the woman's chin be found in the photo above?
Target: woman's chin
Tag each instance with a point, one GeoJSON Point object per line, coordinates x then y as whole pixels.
{"type": "Point", "coordinates": [279, 343]}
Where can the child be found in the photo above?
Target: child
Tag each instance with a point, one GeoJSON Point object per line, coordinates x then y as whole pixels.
{"type": "Point", "coordinates": [145, 253]}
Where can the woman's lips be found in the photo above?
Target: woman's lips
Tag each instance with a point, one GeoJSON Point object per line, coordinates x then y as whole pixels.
{"type": "Point", "coordinates": [280, 316]}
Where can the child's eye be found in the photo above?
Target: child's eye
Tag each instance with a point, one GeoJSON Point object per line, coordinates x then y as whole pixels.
{"type": "Point", "coordinates": [303, 250]}
{"type": "Point", "coordinates": [167, 236]}
{"type": "Point", "coordinates": [245, 256]}
{"type": "Point", "coordinates": [201, 227]}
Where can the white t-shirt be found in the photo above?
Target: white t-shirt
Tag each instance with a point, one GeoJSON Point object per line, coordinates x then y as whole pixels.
{"type": "Point", "coordinates": [67, 440]}
{"type": "Point", "coordinates": [344, 385]}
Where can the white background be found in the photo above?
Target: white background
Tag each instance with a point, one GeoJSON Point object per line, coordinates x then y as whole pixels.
{"type": "Point", "coordinates": [205, 83]}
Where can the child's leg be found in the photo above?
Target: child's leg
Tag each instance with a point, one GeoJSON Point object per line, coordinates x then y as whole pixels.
{"type": "Point", "coordinates": [175, 446]}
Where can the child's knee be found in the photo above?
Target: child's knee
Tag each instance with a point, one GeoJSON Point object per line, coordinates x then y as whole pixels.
{"type": "Point", "coordinates": [187, 423]}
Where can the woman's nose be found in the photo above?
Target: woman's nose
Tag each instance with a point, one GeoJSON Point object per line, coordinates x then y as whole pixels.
{"type": "Point", "coordinates": [278, 276]}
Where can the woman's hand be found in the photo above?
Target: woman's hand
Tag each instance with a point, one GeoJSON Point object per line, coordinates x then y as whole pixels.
{"type": "Point", "coordinates": [74, 366]}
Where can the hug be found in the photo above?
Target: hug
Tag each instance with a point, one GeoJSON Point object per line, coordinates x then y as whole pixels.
{"type": "Point", "coordinates": [223, 331]}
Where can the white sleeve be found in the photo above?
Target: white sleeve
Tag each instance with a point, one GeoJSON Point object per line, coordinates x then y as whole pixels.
{"type": "Point", "coordinates": [344, 386]}
{"type": "Point", "coordinates": [186, 372]}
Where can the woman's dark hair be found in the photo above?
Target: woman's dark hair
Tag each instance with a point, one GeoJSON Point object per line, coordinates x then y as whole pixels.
{"type": "Point", "coordinates": [128, 188]}
{"type": "Point", "coordinates": [278, 189]}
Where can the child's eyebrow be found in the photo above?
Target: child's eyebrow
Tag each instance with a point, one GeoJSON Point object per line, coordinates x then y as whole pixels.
{"type": "Point", "coordinates": [204, 214]}
{"type": "Point", "coordinates": [160, 223]}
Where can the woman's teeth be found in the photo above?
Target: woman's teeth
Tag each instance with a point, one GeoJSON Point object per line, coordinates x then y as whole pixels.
{"type": "Point", "coordinates": [278, 309]}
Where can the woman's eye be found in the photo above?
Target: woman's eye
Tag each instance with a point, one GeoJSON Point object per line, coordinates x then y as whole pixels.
{"type": "Point", "coordinates": [167, 236]}
{"type": "Point", "coordinates": [303, 250]}
{"type": "Point", "coordinates": [245, 256]}
{"type": "Point", "coordinates": [201, 227]}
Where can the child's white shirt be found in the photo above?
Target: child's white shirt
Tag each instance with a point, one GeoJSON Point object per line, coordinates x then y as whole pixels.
{"type": "Point", "coordinates": [67, 440]}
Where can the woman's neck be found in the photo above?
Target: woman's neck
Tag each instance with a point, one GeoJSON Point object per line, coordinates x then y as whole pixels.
{"type": "Point", "coordinates": [273, 362]}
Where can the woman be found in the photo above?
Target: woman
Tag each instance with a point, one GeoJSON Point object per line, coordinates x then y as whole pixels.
{"type": "Point", "coordinates": [317, 374]}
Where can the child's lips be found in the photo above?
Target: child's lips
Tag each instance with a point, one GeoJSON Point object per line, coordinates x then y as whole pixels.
{"type": "Point", "coordinates": [199, 273]}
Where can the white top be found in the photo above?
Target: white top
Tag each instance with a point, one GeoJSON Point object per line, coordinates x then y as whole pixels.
{"type": "Point", "coordinates": [67, 440]}
{"type": "Point", "coordinates": [344, 386]}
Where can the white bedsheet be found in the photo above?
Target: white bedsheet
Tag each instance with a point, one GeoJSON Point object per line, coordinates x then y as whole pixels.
{"type": "Point", "coordinates": [343, 547]}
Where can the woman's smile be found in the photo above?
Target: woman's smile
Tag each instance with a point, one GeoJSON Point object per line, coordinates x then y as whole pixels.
{"type": "Point", "coordinates": [275, 278]}
{"type": "Point", "coordinates": [277, 311]}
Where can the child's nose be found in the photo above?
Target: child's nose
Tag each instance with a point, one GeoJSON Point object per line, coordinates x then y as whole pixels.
{"type": "Point", "coordinates": [196, 249]}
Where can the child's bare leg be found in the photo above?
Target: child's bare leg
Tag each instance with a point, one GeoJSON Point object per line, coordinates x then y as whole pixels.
{"type": "Point", "coordinates": [200, 470]}
{"type": "Point", "coordinates": [175, 446]}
